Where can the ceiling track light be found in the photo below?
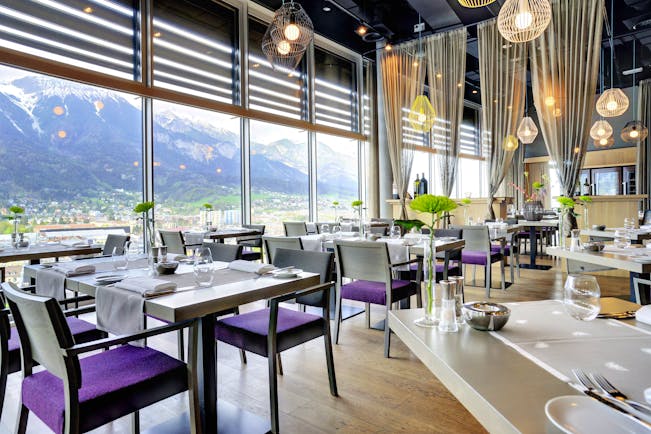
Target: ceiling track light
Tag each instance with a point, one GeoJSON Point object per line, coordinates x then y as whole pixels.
{"type": "Point", "coordinates": [361, 30]}
{"type": "Point", "coordinates": [524, 20]}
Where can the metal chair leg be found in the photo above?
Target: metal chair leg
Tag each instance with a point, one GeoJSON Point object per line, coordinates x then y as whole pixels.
{"type": "Point", "coordinates": [135, 422]}
{"type": "Point", "coordinates": [487, 277]}
{"type": "Point", "coordinates": [273, 393]}
{"type": "Point", "coordinates": [337, 312]}
{"type": "Point", "coordinates": [21, 423]}
{"type": "Point", "coordinates": [181, 345]}
{"type": "Point", "coordinates": [330, 361]}
{"type": "Point", "coordinates": [367, 312]}
{"type": "Point", "coordinates": [504, 275]}
{"type": "Point", "coordinates": [280, 364]}
{"type": "Point", "coordinates": [387, 334]}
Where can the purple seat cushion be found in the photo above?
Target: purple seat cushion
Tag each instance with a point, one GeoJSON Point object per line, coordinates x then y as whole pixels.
{"type": "Point", "coordinates": [82, 331]}
{"type": "Point", "coordinates": [375, 292]}
{"type": "Point", "coordinates": [249, 331]}
{"type": "Point", "coordinates": [473, 257]}
{"type": "Point", "coordinates": [495, 248]}
{"type": "Point", "coordinates": [114, 383]}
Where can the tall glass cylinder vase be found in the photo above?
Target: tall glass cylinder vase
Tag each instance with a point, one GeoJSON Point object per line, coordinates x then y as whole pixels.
{"type": "Point", "coordinates": [429, 267]}
{"type": "Point", "coordinates": [586, 222]}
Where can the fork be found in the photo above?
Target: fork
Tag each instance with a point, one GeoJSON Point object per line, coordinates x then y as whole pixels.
{"type": "Point", "coordinates": [617, 394]}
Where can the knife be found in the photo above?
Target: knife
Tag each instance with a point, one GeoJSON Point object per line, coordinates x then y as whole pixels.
{"type": "Point", "coordinates": [615, 404]}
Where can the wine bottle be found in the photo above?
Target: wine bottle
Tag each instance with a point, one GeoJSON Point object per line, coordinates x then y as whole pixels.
{"type": "Point", "coordinates": [394, 192]}
{"type": "Point", "coordinates": [422, 185]}
{"type": "Point", "coordinates": [416, 186]}
{"type": "Point", "coordinates": [586, 188]}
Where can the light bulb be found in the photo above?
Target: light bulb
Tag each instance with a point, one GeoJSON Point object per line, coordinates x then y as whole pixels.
{"type": "Point", "coordinates": [422, 117]}
{"type": "Point", "coordinates": [634, 134]}
{"type": "Point", "coordinates": [601, 132]}
{"type": "Point", "coordinates": [603, 142]}
{"type": "Point", "coordinates": [283, 47]}
{"type": "Point", "coordinates": [292, 32]}
{"type": "Point", "coordinates": [550, 101]}
{"type": "Point", "coordinates": [527, 131]}
{"type": "Point", "coordinates": [523, 20]}
{"type": "Point", "coordinates": [612, 105]}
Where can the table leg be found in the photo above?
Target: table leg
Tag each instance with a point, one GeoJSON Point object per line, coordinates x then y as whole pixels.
{"type": "Point", "coordinates": [207, 374]}
{"type": "Point", "coordinates": [533, 247]}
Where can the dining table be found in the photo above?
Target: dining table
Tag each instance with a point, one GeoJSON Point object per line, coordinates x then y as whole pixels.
{"type": "Point", "coordinates": [533, 226]}
{"type": "Point", "coordinates": [506, 378]}
{"type": "Point", "coordinates": [637, 236]}
{"type": "Point", "coordinates": [192, 302]}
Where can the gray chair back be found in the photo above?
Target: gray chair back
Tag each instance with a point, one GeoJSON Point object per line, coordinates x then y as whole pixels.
{"type": "Point", "coordinates": [224, 252]}
{"type": "Point", "coordinates": [387, 222]}
{"type": "Point", "coordinates": [273, 243]}
{"type": "Point", "coordinates": [173, 240]}
{"type": "Point", "coordinates": [380, 229]}
{"type": "Point", "coordinates": [114, 241]}
{"type": "Point", "coordinates": [477, 238]}
{"type": "Point", "coordinates": [319, 224]}
{"type": "Point", "coordinates": [43, 331]}
{"type": "Point", "coordinates": [314, 262]}
{"type": "Point", "coordinates": [364, 260]}
{"type": "Point", "coordinates": [295, 229]}
{"type": "Point", "coordinates": [252, 240]}
{"type": "Point", "coordinates": [647, 217]}
{"type": "Point", "coordinates": [456, 233]}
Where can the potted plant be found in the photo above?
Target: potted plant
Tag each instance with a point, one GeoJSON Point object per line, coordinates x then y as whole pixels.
{"type": "Point", "coordinates": [568, 214]}
{"type": "Point", "coordinates": [435, 206]}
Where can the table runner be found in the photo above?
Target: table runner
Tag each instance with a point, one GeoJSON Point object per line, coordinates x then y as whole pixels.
{"type": "Point", "coordinates": [544, 333]}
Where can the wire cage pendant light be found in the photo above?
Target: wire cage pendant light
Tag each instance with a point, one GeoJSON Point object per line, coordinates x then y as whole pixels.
{"type": "Point", "coordinates": [422, 114]}
{"type": "Point", "coordinates": [510, 143]}
{"type": "Point", "coordinates": [612, 103]}
{"type": "Point", "coordinates": [601, 130]}
{"type": "Point", "coordinates": [605, 142]}
{"type": "Point", "coordinates": [634, 132]}
{"type": "Point", "coordinates": [524, 20]}
{"type": "Point", "coordinates": [527, 130]}
{"type": "Point", "coordinates": [475, 3]}
{"type": "Point", "coordinates": [289, 34]}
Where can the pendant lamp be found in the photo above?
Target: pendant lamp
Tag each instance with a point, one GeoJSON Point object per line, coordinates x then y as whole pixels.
{"type": "Point", "coordinates": [606, 142]}
{"type": "Point", "coordinates": [527, 131]}
{"type": "Point", "coordinates": [475, 3]}
{"type": "Point", "coordinates": [510, 143]}
{"type": "Point", "coordinates": [613, 102]}
{"type": "Point", "coordinates": [634, 131]}
{"type": "Point", "coordinates": [601, 130]}
{"type": "Point", "coordinates": [422, 114]}
{"type": "Point", "coordinates": [524, 20]}
{"type": "Point", "coordinates": [288, 36]}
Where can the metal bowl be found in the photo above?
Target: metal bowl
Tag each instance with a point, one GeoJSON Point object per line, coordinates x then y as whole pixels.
{"type": "Point", "coordinates": [594, 246]}
{"type": "Point", "coordinates": [167, 267]}
{"type": "Point", "coordinates": [598, 227]}
{"type": "Point", "coordinates": [486, 316]}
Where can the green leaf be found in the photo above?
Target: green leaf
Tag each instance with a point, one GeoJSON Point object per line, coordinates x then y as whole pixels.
{"type": "Point", "coordinates": [356, 203]}
{"type": "Point", "coordinates": [207, 206]}
{"type": "Point", "coordinates": [143, 207]}
{"type": "Point", "coordinates": [17, 209]}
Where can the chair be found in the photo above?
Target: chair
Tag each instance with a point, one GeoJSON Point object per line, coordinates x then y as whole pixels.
{"type": "Point", "coordinates": [477, 251]}
{"type": "Point", "coordinates": [272, 243]}
{"type": "Point", "coordinates": [512, 251]}
{"type": "Point", "coordinates": [173, 240]}
{"type": "Point", "coordinates": [382, 230]}
{"type": "Point", "coordinates": [74, 395]}
{"type": "Point", "coordinates": [318, 226]}
{"type": "Point", "coordinates": [251, 242]}
{"type": "Point", "coordinates": [114, 241]}
{"type": "Point", "coordinates": [224, 252]}
{"type": "Point", "coordinates": [270, 331]}
{"type": "Point", "coordinates": [295, 229]}
{"type": "Point", "coordinates": [646, 220]}
{"type": "Point", "coordinates": [81, 330]}
{"type": "Point", "coordinates": [369, 264]}
{"type": "Point", "coordinates": [644, 296]}
{"type": "Point", "coordinates": [455, 259]}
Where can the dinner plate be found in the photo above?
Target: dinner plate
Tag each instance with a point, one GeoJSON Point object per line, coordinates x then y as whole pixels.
{"type": "Point", "coordinates": [107, 279]}
{"type": "Point", "coordinates": [576, 414]}
{"type": "Point", "coordinates": [287, 274]}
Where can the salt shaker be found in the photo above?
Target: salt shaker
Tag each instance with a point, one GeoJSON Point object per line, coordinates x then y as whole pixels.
{"type": "Point", "coordinates": [458, 298]}
{"type": "Point", "coordinates": [448, 321]}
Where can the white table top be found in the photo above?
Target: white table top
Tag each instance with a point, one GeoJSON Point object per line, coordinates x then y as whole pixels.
{"type": "Point", "coordinates": [604, 259]}
{"type": "Point", "coordinates": [541, 223]}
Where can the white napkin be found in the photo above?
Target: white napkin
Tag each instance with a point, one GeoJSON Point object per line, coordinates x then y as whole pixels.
{"type": "Point", "coordinates": [250, 267]}
{"type": "Point", "coordinates": [644, 314]}
{"type": "Point", "coordinates": [313, 242]}
{"type": "Point", "coordinates": [119, 311]}
{"type": "Point", "coordinates": [74, 243]}
{"type": "Point", "coordinates": [74, 268]}
{"type": "Point", "coordinates": [146, 286]}
{"type": "Point", "coordinates": [49, 283]}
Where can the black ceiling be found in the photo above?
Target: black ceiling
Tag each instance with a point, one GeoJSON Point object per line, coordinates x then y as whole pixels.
{"type": "Point", "coordinates": [395, 20]}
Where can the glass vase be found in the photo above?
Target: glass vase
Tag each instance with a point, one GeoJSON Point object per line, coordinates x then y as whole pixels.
{"type": "Point", "coordinates": [585, 218]}
{"type": "Point", "coordinates": [429, 268]}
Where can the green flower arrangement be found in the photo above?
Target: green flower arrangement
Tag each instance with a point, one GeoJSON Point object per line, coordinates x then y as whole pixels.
{"type": "Point", "coordinates": [436, 206]}
{"type": "Point", "coordinates": [356, 203]}
{"type": "Point", "coordinates": [408, 225]}
{"type": "Point", "coordinates": [335, 203]}
{"type": "Point", "coordinates": [465, 201]}
{"type": "Point", "coordinates": [207, 206]}
{"type": "Point", "coordinates": [357, 206]}
{"type": "Point", "coordinates": [145, 209]}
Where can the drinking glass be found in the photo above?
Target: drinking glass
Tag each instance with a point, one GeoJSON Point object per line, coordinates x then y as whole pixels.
{"type": "Point", "coordinates": [581, 297]}
{"type": "Point", "coordinates": [325, 228]}
{"type": "Point", "coordinates": [395, 232]}
{"type": "Point", "coordinates": [119, 259]}
{"type": "Point", "coordinates": [629, 226]}
{"type": "Point", "coordinates": [336, 231]}
{"type": "Point", "coordinates": [203, 267]}
{"type": "Point", "coordinates": [621, 240]}
{"type": "Point", "coordinates": [133, 251]}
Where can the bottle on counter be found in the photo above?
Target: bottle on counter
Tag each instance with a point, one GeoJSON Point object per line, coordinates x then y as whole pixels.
{"type": "Point", "coordinates": [416, 186]}
{"type": "Point", "coordinates": [394, 192]}
{"type": "Point", "coordinates": [585, 189]}
{"type": "Point", "coordinates": [422, 185]}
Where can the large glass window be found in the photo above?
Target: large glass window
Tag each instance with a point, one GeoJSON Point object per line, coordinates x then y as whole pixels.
{"type": "Point", "coordinates": [194, 48]}
{"type": "Point", "coordinates": [97, 35]}
{"type": "Point", "coordinates": [337, 176]}
{"type": "Point", "coordinates": [279, 175]}
{"type": "Point", "coordinates": [335, 91]}
{"type": "Point", "coordinates": [197, 160]}
{"type": "Point", "coordinates": [276, 90]}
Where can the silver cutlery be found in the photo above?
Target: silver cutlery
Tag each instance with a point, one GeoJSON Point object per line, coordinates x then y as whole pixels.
{"type": "Point", "coordinates": [617, 394]}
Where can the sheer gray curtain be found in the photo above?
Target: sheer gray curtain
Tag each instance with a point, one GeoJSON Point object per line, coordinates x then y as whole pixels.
{"type": "Point", "coordinates": [446, 70]}
{"type": "Point", "coordinates": [643, 180]}
{"type": "Point", "coordinates": [402, 80]}
{"type": "Point", "coordinates": [564, 68]}
{"type": "Point", "coordinates": [502, 72]}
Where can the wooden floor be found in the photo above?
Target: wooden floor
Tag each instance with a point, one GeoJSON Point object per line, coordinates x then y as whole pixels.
{"type": "Point", "coordinates": [377, 395]}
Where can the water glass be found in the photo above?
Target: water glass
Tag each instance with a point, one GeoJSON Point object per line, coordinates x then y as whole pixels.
{"type": "Point", "coordinates": [621, 240]}
{"type": "Point", "coordinates": [336, 231]}
{"type": "Point", "coordinates": [395, 232]}
{"type": "Point", "coordinates": [203, 267]}
{"type": "Point", "coordinates": [575, 242]}
{"type": "Point", "coordinates": [119, 259]}
{"type": "Point", "coordinates": [581, 297]}
{"type": "Point", "coordinates": [325, 228]}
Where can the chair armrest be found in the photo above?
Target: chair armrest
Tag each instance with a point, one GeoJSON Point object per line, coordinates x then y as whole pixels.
{"type": "Point", "coordinates": [301, 293]}
{"type": "Point", "coordinates": [400, 264]}
{"type": "Point", "coordinates": [99, 344]}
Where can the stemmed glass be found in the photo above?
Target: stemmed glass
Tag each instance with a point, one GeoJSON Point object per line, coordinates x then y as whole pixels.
{"type": "Point", "coordinates": [581, 297]}
{"type": "Point", "coordinates": [203, 267]}
{"type": "Point", "coordinates": [395, 232]}
{"type": "Point", "coordinates": [336, 232]}
{"type": "Point", "coordinates": [325, 228]}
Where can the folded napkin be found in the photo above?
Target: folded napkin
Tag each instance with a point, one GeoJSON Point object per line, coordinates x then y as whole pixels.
{"type": "Point", "coordinates": [74, 268]}
{"type": "Point", "coordinates": [146, 286]}
{"type": "Point", "coordinates": [313, 242]}
{"type": "Point", "coordinates": [74, 243]}
{"type": "Point", "coordinates": [119, 312]}
{"type": "Point", "coordinates": [643, 314]}
{"type": "Point", "coordinates": [250, 267]}
{"type": "Point", "coordinates": [50, 283]}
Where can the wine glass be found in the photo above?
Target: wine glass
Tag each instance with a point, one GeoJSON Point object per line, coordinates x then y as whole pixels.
{"type": "Point", "coordinates": [395, 232]}
{"type": "Point", "coordinates": [325, 228]}
{"type": "Point", "coordinates": [203, 267]}
{"type": "Point", "coordinates": [119, 259]}
{"type": "Point", "coordinates": [621, 240]}
{"type": "Point", "coordinates": [336, 231]}
{"type": "Point", "coordinates": [581, 297]}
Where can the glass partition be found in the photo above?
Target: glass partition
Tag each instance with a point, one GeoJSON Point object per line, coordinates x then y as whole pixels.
{"type": "Point", "coordinates": [337, 176]}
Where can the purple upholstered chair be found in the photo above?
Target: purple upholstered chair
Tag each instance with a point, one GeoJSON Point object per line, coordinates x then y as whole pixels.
{"type": "Point", "coordinates": [477, 251]}
{"type": "Point", "coordinates": [270, 331]}
{"type": "Point", "coordinates": [369, 265]}
{"type": "Point", "coordinates": [82, 331]}
{"type": "Point", "coordinates": [273, 243]}
{"type": "Point", "coordinates": [74, 395]}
